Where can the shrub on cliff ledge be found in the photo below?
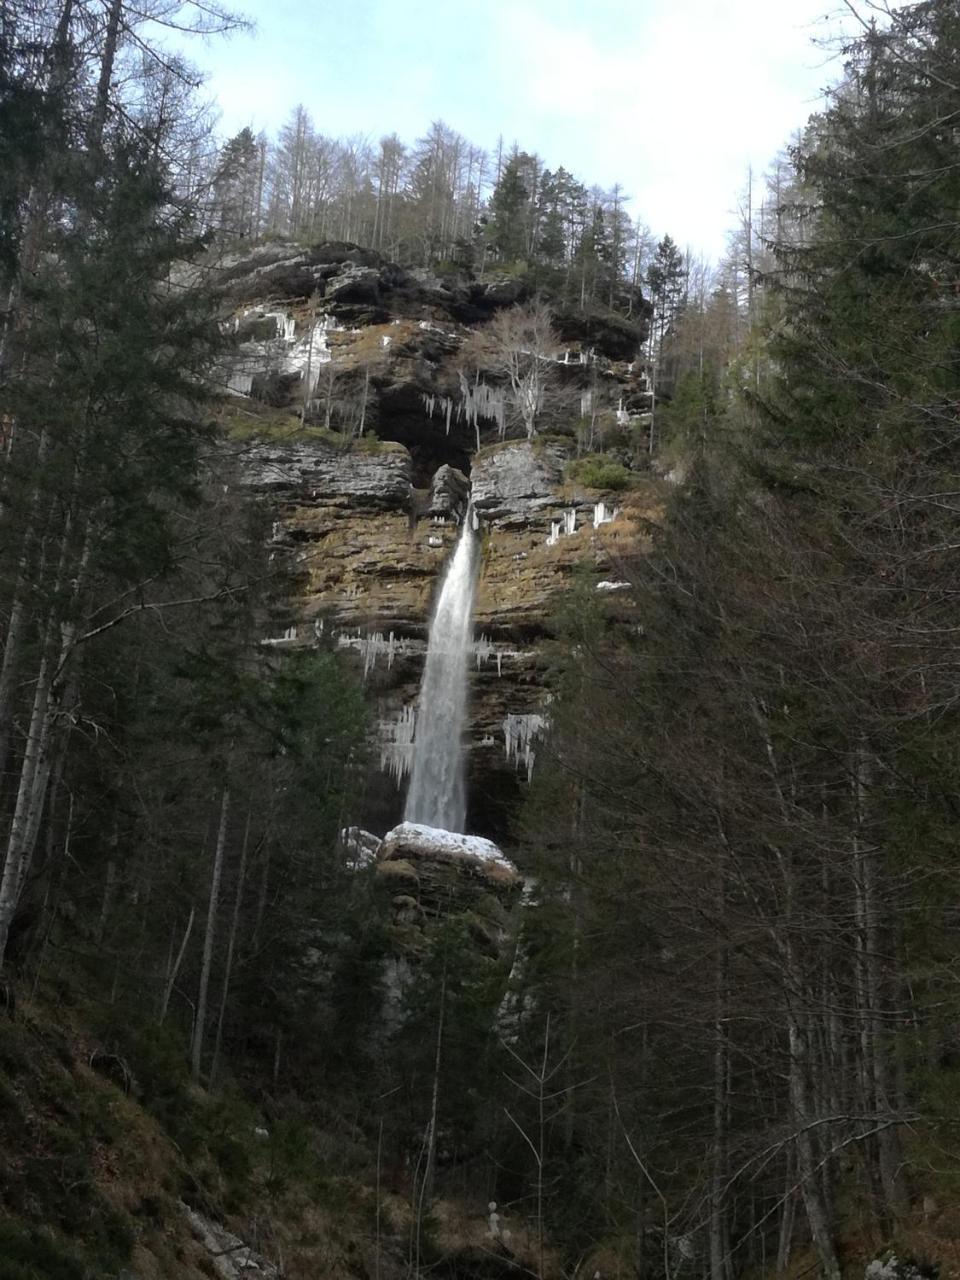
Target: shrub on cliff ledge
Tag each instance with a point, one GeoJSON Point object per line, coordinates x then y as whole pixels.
{"type": "Point", "coordinates": [597, 472]}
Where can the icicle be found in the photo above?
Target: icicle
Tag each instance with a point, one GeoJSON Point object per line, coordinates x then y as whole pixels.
{"type": "Point", "coordinates": [586, 402]}
{"type": "Point", "coordinates": [519, 733]}
{"type": "Point", "coordinates": [481, 401]}
{"type": "Point", "coordinates": [396, 744]}
{"type": "Point", "coordinates": [449, 411]}
{"type": "Point", "coordinates": [602, 516]}
{"type": "Point", "coordinates": [288, 635]}
{"type": "Point", "coordinates": [482, 650]}
{"type": "Point", "coordinates": [562, 528]}
{"type": "Point", "coordinates": [371, 647]}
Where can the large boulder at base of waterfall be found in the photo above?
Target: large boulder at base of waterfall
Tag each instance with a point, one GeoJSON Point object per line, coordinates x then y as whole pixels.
{"type": "Point", "coordinates": [445, 863]}
{"type": "Point", "coordinates": [432, 875]}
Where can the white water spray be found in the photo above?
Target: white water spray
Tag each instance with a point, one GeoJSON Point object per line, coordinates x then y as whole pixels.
{"type": "Point", "coordinates": [437, 796]}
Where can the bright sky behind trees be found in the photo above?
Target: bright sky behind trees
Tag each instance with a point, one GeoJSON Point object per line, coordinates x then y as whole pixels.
{"type": "Point", "coordinates": [671, 98]}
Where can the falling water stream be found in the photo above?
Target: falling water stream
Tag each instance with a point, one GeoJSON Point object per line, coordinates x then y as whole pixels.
{"type": "Point", "coordinates": [436, 796]}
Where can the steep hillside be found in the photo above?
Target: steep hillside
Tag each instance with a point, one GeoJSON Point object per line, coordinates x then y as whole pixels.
{"type": "Point", "coordinates": [114, 1167]}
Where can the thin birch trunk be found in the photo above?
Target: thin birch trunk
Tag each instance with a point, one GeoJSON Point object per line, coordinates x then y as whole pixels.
{"type": "Point", "coordinates": [196, 1053]}
{"type": "Point", "coordinates": [788, 1213]}
{"type": "Point", "coordinates": [426, 1184]}
{"type": "Point", "coordinates": [15, 863]}
{"type": "Point", "coordinates": [175, 969]}
{"type": "Point", "coordinates": [231, 944]}
{"type": "Point", "coordinates": [878, 1090]}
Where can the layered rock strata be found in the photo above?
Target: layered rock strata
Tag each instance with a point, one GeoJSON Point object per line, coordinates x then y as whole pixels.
{"type": "Point", "coordinates": [369, 520]}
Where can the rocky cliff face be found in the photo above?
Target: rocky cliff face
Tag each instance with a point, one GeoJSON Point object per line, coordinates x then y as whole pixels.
{"type": "Point", "coordinates": [370, 521]}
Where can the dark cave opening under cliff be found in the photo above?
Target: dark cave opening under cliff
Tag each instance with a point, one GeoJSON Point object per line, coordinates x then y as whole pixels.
{"type": "Point", "coordinates": [401, 417]}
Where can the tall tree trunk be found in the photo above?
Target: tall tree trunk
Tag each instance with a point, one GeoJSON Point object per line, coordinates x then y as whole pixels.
{"type": "Point", "coordinates": [719, 1233]}
{"type": "Point", "coordinates": [196, 1052]}
{"type": "Point", "coordinates": [808, 1172]}
{"type": "Point", "coordinates": [231, 943]}
{"type": "Point", "coordinates": [787, 1217]}
{"type": "Point", "coordinates": [876, 1076]}
{"type": "Point", "coordinates": [35, 756]}
{"type": "Point", "coordinates": [101, 105]}
{"type": "Point", "coordinates": [175, 966]}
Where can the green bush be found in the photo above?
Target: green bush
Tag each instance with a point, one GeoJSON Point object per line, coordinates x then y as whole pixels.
{"type": "Point", "coordinates": [28, 1252]}
{"type": "Point", "coordinates": [597, 472]}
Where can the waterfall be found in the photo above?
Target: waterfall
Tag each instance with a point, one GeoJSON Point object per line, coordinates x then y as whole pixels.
{"type": "Point", "coordinates": [436, 796]}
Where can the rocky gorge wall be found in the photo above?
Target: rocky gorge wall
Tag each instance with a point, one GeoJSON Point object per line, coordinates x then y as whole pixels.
{"type": "Point", "coordinates": [368, 521]}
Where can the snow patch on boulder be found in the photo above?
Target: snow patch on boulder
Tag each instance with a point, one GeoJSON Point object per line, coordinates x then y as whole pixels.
{"type": "Point", "coordinates": [414, 839]}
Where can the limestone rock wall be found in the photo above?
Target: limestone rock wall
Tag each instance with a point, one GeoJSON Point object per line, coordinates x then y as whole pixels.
{"type": "Point", "coordinates": [369, 566]}
{"type": "Point", "coordinates": [368, 522]}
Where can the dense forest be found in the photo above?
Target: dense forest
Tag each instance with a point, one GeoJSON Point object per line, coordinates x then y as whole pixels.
{"type": "Point", "coordinates": [723, 1037]}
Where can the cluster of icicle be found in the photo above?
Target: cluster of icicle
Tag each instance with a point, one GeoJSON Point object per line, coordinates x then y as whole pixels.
{"type": "Point", "coordinates": [396, 744]}
{"type": "Point", "coordinates": [444, 404]}
{"type": "Point", "coordinates": [376, 645]}
{"type": "Point", "coordinates": [303, 355]}
{"type": "Point", "coordinates": [485, 649]}
{"type": "Point", "coordinates": [567, 523]}
{"type": "Point", "coordinates": [562, 528]}
{"type": "Point", "coordinates": [371, 647]}
{"type": "Point", "coordinates": [477, 401]}
{"type": "Point", "coordinates": [519, 733]}
{"type": "Point", "coordinates": [482, 401]}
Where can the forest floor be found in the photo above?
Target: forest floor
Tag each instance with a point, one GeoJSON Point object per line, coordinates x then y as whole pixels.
{"type": "Point", "coordinates": [107, 1172]}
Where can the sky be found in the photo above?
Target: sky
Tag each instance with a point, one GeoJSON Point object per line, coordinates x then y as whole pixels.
{"type": "Point", "coordinates": [672, 99]}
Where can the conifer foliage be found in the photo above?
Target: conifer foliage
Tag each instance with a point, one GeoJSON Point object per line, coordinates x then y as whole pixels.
{"type": "Point", "coordinates": [756, 751]}
{"type": "Point", "coordinates": [170, 786]}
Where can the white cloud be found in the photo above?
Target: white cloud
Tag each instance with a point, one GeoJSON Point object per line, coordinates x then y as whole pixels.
{"type": "Point", "coordinates": [671, 98]}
